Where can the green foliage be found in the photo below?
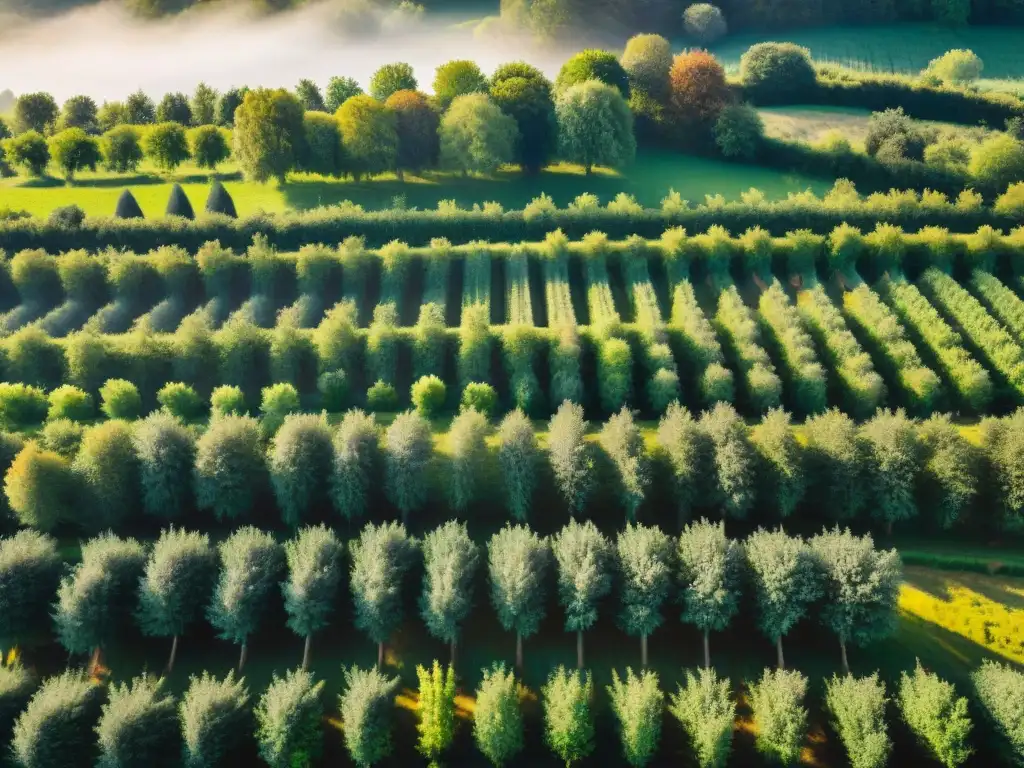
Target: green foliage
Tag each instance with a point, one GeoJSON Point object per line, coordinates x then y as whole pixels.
{"type": "Point", "coordinates": [519, 459]}
{"type": "Point", "coordinates": [120, 399]}
{"type": "Point", "coordinates": [314, 576]}
{"type": "Point", "coordinates": [30, 569]}
{"type": "Point", "coordinates": [737, 322]}
{"type": "Point", "coordinates": [109, 467]}
{"type": "Point", "coordinates": [893, 465]}
{"type": "Point", "coordinates": [476, 136]}
{"type": "Point", "coordinates": [139, 726]}
{"type": "Point", "coordinates": [710, 572]}
{"type": "Point", "coordinates": [288, 719]}
{"type": "Point", "coordinates": [479, 397]}
{"type": "Point", "coordinates": [497, 719]}
{"type": "Point", "coordinates": [704, 708]}
{"type": "Point", "coordinates": [381, 557]}
{"type": "Point", "coordinates": [683, 443]}
{"type": "Point", "coordinates": [369, 133]}
{"type": "Point", "coordinates": [624, 445]}
{"type": "Point", "coordinates": [528, 101]}
{"type": "Point", "coordinates": [276, 403]}
{"type": "Point", "coordinates": [585, 562]}
{"type": "Point", "coordinates": [56, 729]}
{"type": "Point", "coordinates": [17, 685]}
{"type": "Point", "coordinates": [937, 717]}
{"type": "Point", "coordinates": [428, 396]}
{"type": "Point", "coordinates": [738, 131]}
{"type": "Point", "coordinates": [637, 702]}
{"type": "Point", "coordinates": [732, 481]}
{"type": "Point", "coordinates": [593, 64]}
{"type": "Point", "coordinates": [517, 565]}
{"type": "Point", "coordinates": [595, 126]}
{"type": "Point", "coordinates": [568, 721]}
{"type": "Point", "coordinates": [646, 60]}
{"type": "Point", "coordinates": [66, 402]}
{"type": "Point", "coordinates": [40, 488]}
{"type": "Point", "coordinates": [74, 150]}
{"type": "Point", "coordinates": [391, 78]}
{"type": "Point", "coordinates": [781, 458]}
{"type": "Point", "coordinates": [339, 90]}
{"type": "Point", "coordinates": [356, 454]}
{"type": "Point", "coordinates": [570, 457]}
{"type": "Point", "coordinates": [614, 373]}
{"type": "Point", "coordinates": [366, 706]}
{"type": "Point", "coordinates": [34, 112]}
{"type": "Point", "coordinates": [215, 720]}
{"type": "Point", "coordinates": [230, 473]}
{"type": "Point", "coordinates": [139, 109]}
{"type": "Point", "coordinates": [309, 94]}
{"type": "Point", "coordinates": [174, 108]}
{"type": "Point", "coordinates": [959, 66]}
{"type": "Point", "coordinates": [450, 560]}
{"type": "Point", "coordinates": [324, 153]}
{"type": "Point", "coordinates": [166, 145]}
{"type": "Point", "coordinates": [468, 454]}
{"type": "Point", "coordinates": [227, 401]}
{"type": "Point", "coordinates": [94, 598]}
{"type": "Point", "coordinates": [704, 22]}
{"type": "Point", "coordinates": [300, 459]}
{"type": "Point", "coordinates": [208, 146]}
{"type": "Point", "coordinates": [857, 706]}
{"type": "Point", "coordinates": [436, 711]}
{"type": "Point", "coordinates": [835, 463]}
{"type": "Point", "coordinates": [269, 135]}
{"type": "Point", "coordinates": [997, 162]}
{"type": "Point", "coordinates": [644, 558]}
{"type": "Point", "coordinates": [949, 467]}
{"type": "Point", "coordinates": [30, 151]}
{"type": "Point", "coordinates": [786, 582]}
{"type": "Point", "coordinates": [204, 105]}
{"type": "Point", "coordinates": [775, 73]}
{"type": "Point", "coordinates": [22, 405]}
{"type": "Point", "coordinates": [894, 132]}
{"type": "Point", "coordinates": [1000, 689]}
{"type": "Point", "coordinates": [407, 453]}
{"type": "Point", "coordinates": [779, 716]}
{"type": "Point", "coordinates": [251, 566]}
{"type": "Point", "coordinates": [457, 78]}
{"type": "Point", "coordinates": [176, 584]}
{"type": "Point", "coordinates": [180, 400]}
{"type": "Point", "coordinates": [382, 397]}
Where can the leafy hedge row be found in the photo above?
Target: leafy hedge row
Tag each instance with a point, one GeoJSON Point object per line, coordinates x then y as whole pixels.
{"type": "Point", "coordinates": [801, 367]}
{"type": "Point", "coordinates": [291, 231]}
{"type": "Point", "coordinates": [999, 299]}
{"type": "Point", "coordinates": [736, 321]}
{"type": "Point", "coordinates": [701, 348]}
{"type": "Point", "coordinates": [663, 384]}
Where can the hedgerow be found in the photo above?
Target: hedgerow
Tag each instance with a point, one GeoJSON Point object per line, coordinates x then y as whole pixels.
{"type": "Point", "coordinates": [735, 320]}
{"type": "Point", "coordinates": [999, 299]}
{"type": "Point", "coordinates": [806, 375]}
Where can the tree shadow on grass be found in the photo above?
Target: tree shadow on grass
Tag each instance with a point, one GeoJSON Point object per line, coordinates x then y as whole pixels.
{"type": "Point", "coordinates": [1006, 590]}
{"type": "Point", "coordinates": [125, 181]}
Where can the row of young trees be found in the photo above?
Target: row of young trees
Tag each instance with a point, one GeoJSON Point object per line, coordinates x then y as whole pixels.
{"type": "Point", "coordinates": [852, 587]}
{"type": "Point", "coordinates": [141, 723]}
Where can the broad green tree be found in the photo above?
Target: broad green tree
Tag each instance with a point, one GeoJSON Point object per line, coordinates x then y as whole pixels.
{"type": "Point", "coordinates": [41, 489]}
{"type": "Point", "coordinates": [436, 712]}
{"type": "Point", "coordinates": [569, 455]}
{"type": "Point", "coordinates": [519, 459]}
{"type": "Point", "coordinates": [308, 93]}
{"type": "Point", "coordinates": [30, 571]}
{"type": "Point", "coordinates": [595, 126]}
{"type": "Point", "coordinates": [710, 572]}
{"type": "Point", "coordinates": [230, 472]}
{"type": "Point", "coordinates": [139, 726]}
{"type": "Point", "coordinates": [166, 452]}
{"type": "Point", "coordinates": [733, 464]}
{"type": "Point", "coordinates": [408, 449]}
{"type": "Point", "coordinates": [857, 706]}
{"type": "Point", "coordinates": [166, 145]}
{"type": "Point", "coordinates": [314, 559]}
{"type": "Point", "coordinates": [949, 470]}
{"type": "Point", "coordinates": [269, 134]}
{"type": "Point", "coordinates": [939, 719]}
{"type": "Point", "coordinates": [300, 459]}
{"type": "Point", "coordinates": [893, 464]}
{"type": "Point", "coordinates": [251, 566]}
{"type": "Point", "coordinates": [835, 465]}
{"type": "Point", "coordinates": [356, 457]}
{"type": "Point", "coordinates": [517, 564]}
{"type": "Point", "coordinates": [780, 470]}
{"type": "Point", "coordinates": [497, 719]}
{"type": "Point", "coordinates": [644, 559]}
{"type": "Point", "coordinates": [779, 715]}
{"type": "Point", "coordinates": [390, 78]}
{"type": "Point", "coordinates": [416, 123]}
{"type": "Point", "coordinates": [339, 90]}
{"type": "Point", "coordinates": [176, 585]}
{"type": "Point", "coordinates": [367, 703]}
{"type": "Point", "coordinates": [450, 560]}
{"type": "Point", "coordinates": [786, 582]}
{"type": "Point", "coordinates": [1000, 691]}
{"type": "Point", "coordinates": [637, 702]}
{"type": "Point", "coordinates": [584, 558]}
{"type": "Point", "coordinates": [204, 105]}
{"type": "Point", "coordinates": [73, 150]}
{"type": "Point", "coordinates": [369, 133]}
{"type": "Point", "coordinates": [216, 721]}
{"type": "Point", "coordinates": [476, 136]}
{"type": "Point", "coordinates": [685, 446]}
{"type": "Point", "coordinates": [568, 721]}
{"type": "Point", "coordinates": [468, 454]}
{"type": "Point", "coordinates": [457, 78]}
{"type": "Point", "coordinates": [527, 100]}
{"type": "Point", "coordinates": [861, 587]}
{"type": "Point", "coordinates": [289, 719]}
{"type": "Point", "coordinates": [381, 558]}
{"type": "Point", "coordinates": [109, 468]}
{"type": "Point", "coordinates": [56, 729]}
{"type": "Point", "coordinates": [704, 707]}
{"type": "Point", "coordinates": [624, 445]}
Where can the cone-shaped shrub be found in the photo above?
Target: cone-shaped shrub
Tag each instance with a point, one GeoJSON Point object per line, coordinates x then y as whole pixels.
{"type": "Point", "coordinates": [178, 204]}
{"type": "Point", "coordinates": [127, 207]}
{"type": "Point", "coordinates": [220, 201]}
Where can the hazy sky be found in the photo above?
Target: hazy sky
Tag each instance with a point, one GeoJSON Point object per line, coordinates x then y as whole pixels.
{"type": "Point", "coordinates": [102, 52]}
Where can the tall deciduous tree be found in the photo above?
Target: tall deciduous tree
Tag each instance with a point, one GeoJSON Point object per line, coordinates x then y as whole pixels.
{"type": "Point", "coordinates": [468, 454]}
{"type": "Point", "coordinates": [166, 452]}
{"type": "Point", "coordinates": [584, 559]}
{"type": "Point", "coordinates": [710, 571]}
{"type": "Point", "coordinates": [862, 587]}
{"type": "Point", "coordinates": [251, 565]}
{"type": "Point", "coordinates": [177, 583]}
{"type": "Point", "coordinates": [568, 721]}
{"type": "Point", "coordinates": [595, 126]}
{"type": "Point", "coordinates": [93, 600]}
{"type": "Point", "coordinates": [308, 93]}
{"type": "Point", "coordinates": [526, 98]}
{"type": "Point", "coordinates": [685, 445]}
{"type": "Point", "coordinates": [215, 720]}
{"type": "Point", "coordinates": [935, 714]}
{"type": "Point", "coordinates": [637, 702]}
{"type": "Point", "coordinates": [301, 455]}
{"type": "Point", "coordinates": [288, 719]}
{"type": "Point", "coordinates": [783, 482]}
{"type": "Point", "coordinates": [139, 726]}
{"type": "Point", "coordinates": [339, 90]}
{"type": "Point", "coordinates": [893, 464]}
{"type": "Point", "coordinates": [457, 78]}
{"type": "Point", "coordinates": [949, 470]}
{"type": "Point", "coordinates": [517, 565]}
{"type": "Point", "coordinates": [436, 711]}
{"type": "Point", "coordinates": [56, 728]}
{"type": "Point", "coordinates": [356, 456]}
{"type": "Point", "coordinates": [204, 105]}
{"type": "Point", "coordinates": [391, 78]}
{"type": "Point", "coordinates": [497, 720]}
{"type": "Point", "coordinates": [408, 447]}
{"type": "Point", "coordinates": [366, 706]}
{"type": "Point", "coordinates": [644, 559]}
{"type": "Point", "coordinates": [704, 708]}
{"type": "Point", "coordinates": [733, 461]}
{"type": "Point", "coordinates": [269, 134]}
{"type": "Point", "coordinates": [381, 557]}
{"type": "Point", "coordinates": [570, 457]}
{"type": "Point", "coordinates": [476, 136]}
{"type": "Point", "coordinates": [781, 719]}
{"type": "Point", "coordinates": [519, 457]}
{"type": "Point", "coordinates": [230, 473]}
{"type": "Point", "coordinates": [835, 464]}
{"type": "Point", "coordinates": [369, 133]}
{"type": "Point", "coordinates": [41, 488]}
{"type": "Point", "coordinates": [450, 560]}
{"type": "Point", "coordinates": [416, 122]}
{"type": "Point", "coordinates": [314, 576]}
{"type": "Point", "coordinates": [622, 442]}
{"type": "Point", "coordinates": [857, 706]}
{"type": "Point", "coordinates": [109, 467]}
{"type": "Point", "coordinates": [30, 570]}
{"type": "Point", "coordinates": [786, 581]}
{"type": "Point", "coordinates": [1000, 690]}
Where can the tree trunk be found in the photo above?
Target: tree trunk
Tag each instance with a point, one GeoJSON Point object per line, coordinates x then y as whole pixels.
{"type": "Point", "coordinates": [451, 660]}
{"type": "Point", "coordinates": [846, 663]}
{"type": "Point", "coordinates": [643, 651]}
{"type": "Point", "coordinates": [778, 649]}
{"type": "Point", "coordinates": [589, 169]}
{"type": "Point", "coordinates": [401, 174]}
{"type": "Point", "coordinates": [380, 655]}
{"type": "Point", "coordinates": [579, 649]}
{"type": "Point", "coordinates": [707, 651]}
{"type": "Point", "coordinates": [243, 654]}
{"type": "Point", "coordinates": [519, 653]}
{"type": "Point", "coordinates": [174, 655]}
{"type": "Point", "coordinates": [305, 652]}
{"type": "Point", "coordinates": [94, 662]}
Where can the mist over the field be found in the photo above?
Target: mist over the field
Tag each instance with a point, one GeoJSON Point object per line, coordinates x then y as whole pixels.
{"type": "Point", "coordinates": [104, 52]}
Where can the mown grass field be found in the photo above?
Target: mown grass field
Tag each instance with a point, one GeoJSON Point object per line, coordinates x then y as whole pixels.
{"type": "Point", "coordinates": [649, 179]}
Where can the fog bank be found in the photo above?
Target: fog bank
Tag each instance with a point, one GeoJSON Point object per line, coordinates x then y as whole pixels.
{"type": "Point", "coordinates": [105, 53]}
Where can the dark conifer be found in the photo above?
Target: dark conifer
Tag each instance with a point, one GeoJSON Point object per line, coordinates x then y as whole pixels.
{"type": "Point", "coordinates": [220, 201]}
{"type": "Point", "coordinates": [178, 204]}
{"type": "Point", "coordinates": [127, 207]}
